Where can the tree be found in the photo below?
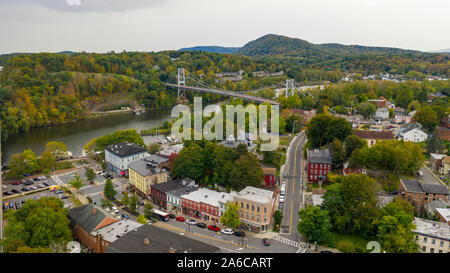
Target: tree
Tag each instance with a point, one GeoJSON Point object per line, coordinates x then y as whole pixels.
{"type": "Point", "coordinates": [427, 117]}
{"type": "Point", "coordinates": [294, 124]}
{"type": "Point", "coordinates": [58, 149]}
{"type": "Point", "coordinates": [323, 129]}
{"type": "Point", "coordinates": [106, 203]}
{"type": "Point", "coordinates": [241, 150]}
{"type": "Point", "coordinates": [76, 183]}
{"type": "Point", "coordinates": [21, 164]}
{"type": "Point", "coordinates": [190, 163]}
{"type": "Point", "coordinates": [27, 249]}
{"type": "Point", "coordinates": [125, 200]}
{"type": "Point", "coordinates": [246, 171]}
{"type": "Point", "coordinates": [352, 203]}
{"type": "Point", "coordinates": [367, 109]}
{"type": "Point", "coordinates": [47, 161]}
{"type": "Point", "coordinates": [404, 96]}
{"type": "Point", "coordinates": [109, 190]}
{"type": "Point", "coordinates": [230, 217]}
{"type": "Point", "coordinates": [434, 144]}
{"type": "Point", "coordinates": [141, 219]}
{"type": "Point", "coordinates": [37, 224]}
{"type": "Point", "coordinates": [153, 148]}
{"type": "Point", "coordinates": [148, 210]}
{"type": "Point", "coordinates": [90, 174]}
{"type": "Point", "coordinates": [314, 224]}
{"type": "Point", "coordinates": [352, 143]}
{"type": "Point", "coordinates": [277, 217]}
{"type": "Point", "coordinates": [133, 204]}
{"type": "Point", "coordinates": [338, 153]}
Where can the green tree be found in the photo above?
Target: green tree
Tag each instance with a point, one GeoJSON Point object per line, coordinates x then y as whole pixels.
{"type": "Point", "coordinates": [434, 144]}
{"type": "Point", "coordinates": [47, 161]}
{"type": "Point", "coordinates": [352, 143]}
{"type": "Point", "coordinates": [314, 223]}
{"type": "Point", "coordinates": [148, 210]}
{"type": "Point", "coordinates": [338, 153]}
{"type": "Point", "coordinates": [246, 171]}
{"type": "Point", "coordinates": [427, 117]}
{"type": "Point", "coordinates": [109, 190]}
{"type": "Point", "coordinates": [141, 219]}
{"type": "Point", "coordinates": [21, 164]}
{"type": "Point", "coordinates": [294, 124]}
{"type": "Point", "coordinates": [190, 163]}
{"type": "Point", "coordinates": [277, 217]}
{"type": "Point", "coordinates": [153, 148]}
{"type": "Point", "coordinates": [133, 204]}
{"type": "Point", "coordinates": [106, 203]}
{"type": "Point", "coordinates": [366, 109]}
{"type": "Point", "coordinates": [90, 174]}
{"type": "Point", "coordinates": [125, 200]}
{"type": "Point", "coordinates": [76, 183]}
{"type": "Point", "coordinates": [230, 217]}
{"type": "Point", "coordinates": [58, 149]}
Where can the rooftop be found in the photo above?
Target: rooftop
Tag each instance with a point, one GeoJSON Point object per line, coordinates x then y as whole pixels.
{"type": "Point", "coordinates": [125, 149]}
{"type": "Point", "coordinates": [147, 166]}
{"type": "Point", "coordinates": [175, 149]}
{"type": "Point", "coordinates": [151, 239]}
{"type": "Point", "coordinates": [209, 196]}
{"type": "Point", "coordinates": [381, 135]}
{"type": "Point", "coordinates": [256, 195]}
{"type": "Point", "coordinates": [445, 213]}
{"type": "Point", "coordinates": [417, 187]}
{"type": "Point", "coordinates": [91, 217]}
{"type": "Point", "coordinates": [431, 228]}
{"type": "Point", "coordinates": [319, 156]}
{"type": "Point", "coordinates": [168, 186]}
{"type": "Point", "coordinates": [116, 230]}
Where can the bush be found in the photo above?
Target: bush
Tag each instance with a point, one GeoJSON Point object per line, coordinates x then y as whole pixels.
{"type": "Point", "coordinates": [346, 247]}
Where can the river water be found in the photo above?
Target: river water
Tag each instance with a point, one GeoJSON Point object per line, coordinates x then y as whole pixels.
{"type": "Point", "coordinates": [76, 135]}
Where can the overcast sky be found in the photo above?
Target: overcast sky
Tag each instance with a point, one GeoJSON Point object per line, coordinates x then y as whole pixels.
{"type": "Point", "coordinates": [155, 25]}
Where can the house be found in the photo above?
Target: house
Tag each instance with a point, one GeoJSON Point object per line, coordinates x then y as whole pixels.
{"type": "Point", "coordinates": [256, 208]}
{"type": "Point", "coordinates": [316, 200]}
{"type": "Point", "coordinates": [158, 193]}
{"type": "Point", "coordinates": [444, 133]}
{"type": "Point", "coordinates": [373, 136]}
{"type": "Point", "coordinates": [269, 176]}
{"type": "Point", "coordinates": [319, 164]}
{"type": "Point", "coordinates": [151, 239]}
{"type": "Point", "coordinates": [348, 169]}
{"type": "Point", "coordinates": [119, 156]}
{"type": "Point", "coordinates": [431, 207]}
{"type": "Point", "coordinates": [436, 161]}
{"type": "Point", "coordinates": [230, 142]}
{"type": "Point", "coordinates": [444, 215]}
{"type": "Point", "coordinates": [445, 122]}
{"type": "Point", "coordinates": [145, 173]}
{"type": "Point", "coordinates": [413, 135]}
{"type": "Point", "coordinates": [379, 103]}
{"type": "Point", "coordinates": [85, 221]}
{"type": "Point", "coordinates": [382, 113]}
{"type": "Point", "coordinates": [419, 194]}
{"type": "Point", "coordinates": [400, 116]}
{"type": "Point", "coordinates": [431, 236]}
{"type": "Point", "coordinates": [174, 196]}
{"type": "Point", "coordinates": [445, 167]}
{"type": "Point", "coordinates": [206, 204]}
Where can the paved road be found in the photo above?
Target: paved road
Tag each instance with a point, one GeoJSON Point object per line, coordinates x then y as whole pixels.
{"type": "Point", "coordinates": [428, 177]}
{"type": "Point", "coordinates": [293, 189]}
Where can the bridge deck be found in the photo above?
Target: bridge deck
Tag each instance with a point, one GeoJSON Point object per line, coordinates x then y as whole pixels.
{"type": "Point", "coordinates": [224, 93]}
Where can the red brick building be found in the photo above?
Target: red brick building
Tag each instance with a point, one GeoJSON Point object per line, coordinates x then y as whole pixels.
{"type": "Point", "coordinates": [419, 194]}
{"type": "Point", "coordinates": [269, 176]}
{"type": "Point", "coordinates": [319, 164]}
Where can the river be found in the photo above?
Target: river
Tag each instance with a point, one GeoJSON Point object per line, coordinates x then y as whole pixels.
{"type": "Point", "coordinates": [75, 135]}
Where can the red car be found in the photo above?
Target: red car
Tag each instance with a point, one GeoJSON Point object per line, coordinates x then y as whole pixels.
{"type": "Point", "coordinates": [16, 183]}
{"type": "Point", "coordinates": [213, 228]}
{"type": "Point", "coordinates": [179, 218]}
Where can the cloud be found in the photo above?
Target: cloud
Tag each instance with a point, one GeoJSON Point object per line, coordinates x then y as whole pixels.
{"type": "Point", "coordinates": [91, 5]}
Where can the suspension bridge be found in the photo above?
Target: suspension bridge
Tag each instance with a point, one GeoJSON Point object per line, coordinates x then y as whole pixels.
{"type": "Point", "coordinates": [206, 88]}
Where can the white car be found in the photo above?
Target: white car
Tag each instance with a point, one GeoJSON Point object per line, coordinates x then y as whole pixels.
{"type": "Point", "coordinates": [191, 222]}
{"type": "Point", "coordinates": [115, 210]}
{"type": "Point", "coordinates": [227, 231]}
{"type": "Point", "coordinates": [281, 198]}
{"type": "Point", "coordinates": [4, 186]}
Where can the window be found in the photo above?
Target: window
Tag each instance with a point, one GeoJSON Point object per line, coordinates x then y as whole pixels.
{"type": "Point", "coordinates": [242, 205]}
{"type": "Point", "coordinates": [433, 241]}
{"type": "Point", "coordinates": [257, 209]}
{"type": "Point", "coordinates": [424, 239]}
{"type": "Point", "coordinates": [248, 206]}
{"type": "Point", "coordinates": [431, 250]}
{"type": "Point", "coordinates": [441, 243]}
{"type": "Point", "coordinates": [265, 211]}
{"type": "Point", "coordinates": [424, 249]}
{"type": "Point", "coordinates": [253, 208]}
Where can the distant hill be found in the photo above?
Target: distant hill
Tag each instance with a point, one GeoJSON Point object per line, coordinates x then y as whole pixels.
{"type": "Point", "coordinates": [446, 50]}
{"type": "Point", "coordinates": [272, 44]}
{"type": "Point", "coordinates": [213, 49]}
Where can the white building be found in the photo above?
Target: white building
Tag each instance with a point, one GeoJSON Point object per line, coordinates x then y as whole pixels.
{"type": "Point", "coordinates": [431, 236]}
{"type": "Point", "coordinates": [413, 135]}
{"type": "Point", "coordinates": [119, 156]}
{"type": "Point", "coordinates": [382, 113]}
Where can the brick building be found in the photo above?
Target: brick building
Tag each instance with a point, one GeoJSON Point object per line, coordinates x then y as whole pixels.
{"type": "Point", "coordinates": [269, 176]}
{"type": "Point", "coordinates": [319, 164]}
{"type": "Point", "coordinates": [419, 194]}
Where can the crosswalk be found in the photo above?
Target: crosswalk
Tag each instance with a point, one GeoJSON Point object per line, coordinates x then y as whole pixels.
{"type": "Point", "coordinates": [301, 246]}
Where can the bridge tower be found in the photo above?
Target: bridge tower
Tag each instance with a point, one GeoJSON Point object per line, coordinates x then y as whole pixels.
{"type": "Point", "coordinates": [290, 87]}
{"type": "Point", "coordinates": [181, 81]}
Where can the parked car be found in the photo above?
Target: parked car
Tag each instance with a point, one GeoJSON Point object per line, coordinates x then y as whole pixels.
{"type": "Point", "coordinates": [4, 186]}
{"type": "Point", "coordinates": [64, 196]}
{"type": "Point", "coordinates": [15, 191]}
{"type": "Point", "coordinates": [24, 189]}
{"type": "Point", "coordinates": [201, 225]}
{"type": "Point", "coordinates": [213, 228]}
{"type": "Point", "coordinates": [11, 205]}
{"type": "Point", "coordinates": [191, 222]}
{"type": "Point", "coordinates": [17, 205]}
{"type": "Point", "coordinates": [59, 191]}
{"type": "Point", "coordinates": [5, 206]}
{"type": "Point", "coordinates": [16, 183]}
{"type": "Point", "coordinates": [41, 186]}
{"type": "Point", "coordinates": [141, 203]}
{"type": "Point", "coordinates": [7, 193]}
{"type": "Point", "coordinates": [179, 218]}
{"type": "Point", "coordinates": [124, 216]}
{"type": "Point", "coordinates": [281, 206]}
{"type": "Point", "coordinates": [239, 233]}
{"type": "Point", "coordinates": [266, 242]}
{"type": "Point", "coordinates": [171, 216]}
{"type": "Point", "coordinates": [420, 173]}
{"type": "Point", "coordinates": [281, 198]}
{"type": "Point", "coordinates": [33, 188]}
{"type": "Point", "coordinates": [227, 231]}
{"type": "Point", "coordinates": [36, 179]}
{"type": "Point", "coordinates": [115, 210]}
{"type": "Point", "coordinates": [28, 183]}
{"type": "Point", "coordinates": [45, 184]}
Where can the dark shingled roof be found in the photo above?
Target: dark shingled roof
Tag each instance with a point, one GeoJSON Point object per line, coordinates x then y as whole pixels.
{"type": "Point", "coordinates": [417, 187]}
{"type": "Point", "coordinates": [125, 149]}
{"type": "Point", "coordinates": [83, 216]}
{"type": "Point", "coordinates": [159, 241]}
{"type": "Point", "coordinates": [366, 134]}
{"type": "Point", "coordinates": [168, 186]}
{"type": "Point", "coordinates": [319, 156]}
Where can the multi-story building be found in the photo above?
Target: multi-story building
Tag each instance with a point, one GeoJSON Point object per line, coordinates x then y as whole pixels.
{"type": "Point", "coordinates": [145, 173]}
{"type": "Point", "coordinates": [419, 194]}
{"type": "Point", "coordinates": [445, 167]}
{"type": "Point", "coordinates": [158, 193]}
{"type": "Point", "coordinates": [119, 156]}
{"type": "Point", "coordinates": [436, 161]}
{"type": "Point", "coordinates": [269, 176]}
{"type": "Point", "coordinates": [206, 204]}
{"type": "Point", "coordinates": [432, 237]}
{"type": "Point", "coordinates": [319, 164]}
{"type": "Point", "coordinates": [413, 135]}
{"type": "Point", "coordinates": [255, 208]}
{"type": "Point", "coordinates": [382, 113]}
{"type": "Point", "coordinates": [174, 196]}
{"type": "Point", "coordinates": [373, 136]}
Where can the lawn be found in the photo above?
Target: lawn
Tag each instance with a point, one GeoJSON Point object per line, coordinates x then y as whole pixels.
{"type": "Point", "coordinates": [359, 242]}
